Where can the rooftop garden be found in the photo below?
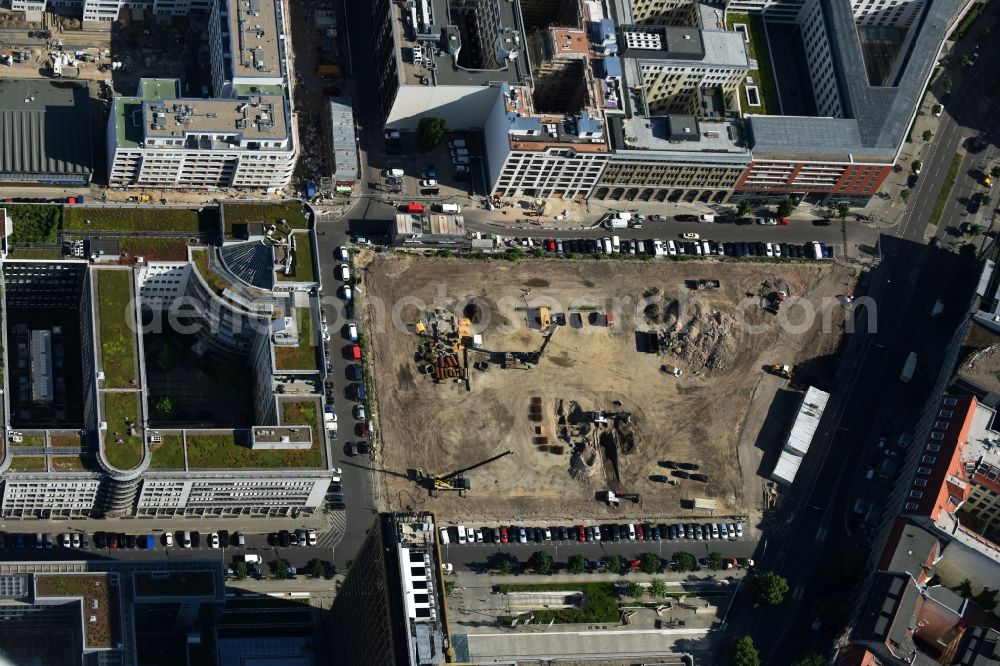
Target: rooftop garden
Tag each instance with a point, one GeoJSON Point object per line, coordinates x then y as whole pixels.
{"type": "Point", "coordinates": [763, 76]}
{"type": "Point", "coordinates": [215, 282]}
{"type": "Point", "coordinates": [303, 356]}
{"type": "Point", "coordinates": [155, 249]}
{"type": "Point", "coordinates": [303, 269]}
{"type": "Point", "coordinates": [30, 440]}
{"type": "Point", "coordinates": [222, 452]}
{"type": "Point", "coordinates": [122, 449]}
{"type": "Point", "coordinates": [600, 603]}
{"type": "Point", "coordinates": [36, 253]}
{"type": "Point", "coordinates": [98, 601]}
{"type": "Point", "coordinates": [35, 223]}
{"type": "Point", "coordinates": [159, 218]}
{"type": "Point", "coordinates": [168, 454]}
{"type": "Point", "coordinates": [74, 463]}
{"type": "Point", "coordinates": [302, 412]}
{"type": "Point", "coordinates": [267, 213]}
{"type": "Point", "coordinates": [27, 463]}
{"type": "Point", "coordinates": [115, 310]}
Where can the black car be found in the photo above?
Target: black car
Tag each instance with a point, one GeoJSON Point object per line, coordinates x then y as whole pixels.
{"type": "Point", "coordinates": [130, 541]}
{"type": "Point", "coordinates": [686, 218]}
{"type": "Point", "coordinates": [974, 203]}
{"type": "Point", "coordinates": [824, 222]}
{"type": "Point", "coordinates": [589, 533]}
{"type": "Point", "coordinates": [652, 532]}
{"type": "Point", "coordinates": [687, 466]}
{"type": "Point", "coordinates": [339, 506]}
{"type": "Point", "coordinates": [911, 181]}
{"type": "Point", "coordinates": [669, 464]}
{"type": "Point", "coordinates": [699, 477]}
{"type": "Point", "coordinates": [679, 474]}
{"type": "Point", "coordinates": [430, 191]}
{"type": "Point", "coordinates": [99, 540]}
{"type": "Point", "coordinates": [283, 538]}
{"type": "Point", "coordinates": [539, 534]}
{"type": "Point", "coordinates": [659, 478]}
{"type": "Point", "coordinates": [336, 488]}
{"type": "Point", "coordinates": [744, 220]}
{"type": "Point", "coordinates": [487, 535]}
{"type": "Point", "coordinates": [623, 532]}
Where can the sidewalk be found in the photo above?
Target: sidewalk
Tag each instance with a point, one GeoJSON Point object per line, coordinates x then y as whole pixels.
{"type": "Point", "coordinates": [317, 521]}
{"type": "Point", "coordinates": [702, 578]}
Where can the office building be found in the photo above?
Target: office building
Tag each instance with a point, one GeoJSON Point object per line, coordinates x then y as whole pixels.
{"type": "Point", "coordinates": [243, 137]}
{"type": "Point", "coordinates": [158, 139]}
{"type": "Point", "coordinates": [44, 133]}
{"type": "Point", "coordinates": [87, 394]}
{"type": "Point", "coordinates": [389, 609]}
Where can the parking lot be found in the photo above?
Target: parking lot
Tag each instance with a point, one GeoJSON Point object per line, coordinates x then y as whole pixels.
{"type": "Point", "coordinates": [635, 532]}
{"type": "Point", "coordinates": [400, 152]}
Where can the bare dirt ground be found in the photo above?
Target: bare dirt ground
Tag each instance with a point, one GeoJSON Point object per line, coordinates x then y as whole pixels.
{"type": "Point", "coordinates": [720, 339]}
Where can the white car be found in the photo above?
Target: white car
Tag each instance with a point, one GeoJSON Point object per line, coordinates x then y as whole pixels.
{"type": "Point", "coordinates": [186, 539]}
{"type": "Point", "coordinates": [75, 538]}
{"type": "Point", "coordinates": [690, 235]}
{"type": "Point", "coordinates": [548, 534]}
{"type": "Point", "coordinates": [631, 532]}
{"type": "Point", "coordinates": [359, 412]}
{"type": "Point", "coordinates": [767, 221]}
{"type": "Point", "coordinates": [739, 531]}
{"type": "Point", "coordinates": [671, 248]}
{"type": "Point", "coordinates": [64, 540]}
{"type": "Point", "coordinates": [430, 182]}
{"type": "Point", "coordinates": [213, 540]}
{"type": "Point", "coordinates": [342, 253]}
{"type": "Point", "coordinates": [344, 272]}
{"type": "Point", "coordinates": [311, 535]}
{"type": "Point", "coordinates": [768, 250]}
{"type": "Point", "coordinates": [168, 539]}
{"type": "Point", "coordinates": [347, 293]}
{"type": "Point", "coordinates": [352, 332]}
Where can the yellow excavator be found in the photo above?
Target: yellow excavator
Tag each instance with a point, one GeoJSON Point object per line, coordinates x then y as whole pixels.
{"type": "Point", "coordinates": [453, 480]}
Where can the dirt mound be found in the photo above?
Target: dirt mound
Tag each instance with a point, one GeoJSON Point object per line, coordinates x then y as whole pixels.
{"type": "Point", "coordinates": [706, 340]}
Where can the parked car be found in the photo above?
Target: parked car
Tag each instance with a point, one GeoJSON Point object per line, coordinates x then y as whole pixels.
{"type": "Point", "coordinates": [699, 477]}
{"type": "Point", "coordinates": [659, 478]}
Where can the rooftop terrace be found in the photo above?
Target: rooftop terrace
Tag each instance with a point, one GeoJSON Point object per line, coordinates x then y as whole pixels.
{"type": "Point", "coordinates": [100, 604]}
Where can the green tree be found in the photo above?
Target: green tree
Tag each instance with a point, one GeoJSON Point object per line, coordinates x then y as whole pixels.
{"type": "Point", "coordinates": [315, 569]}
{"type": "Point", "coordinates": [946, 85]}
{"type": "Point", "coordinates": [743, 652]}
{"type": "Point", "coordinates": [634, 590]}
{"type": "Point", "coordinates": [768, 589]}
{"type": "Point", "coordinates": [964, 60]}
{"type": "Point", "coordinates": [650, 563]}
{"type": "Point", "coordinates": [904, 194]}
{"type": "Point", "coordinates": [541, 562]}
{"type": "Point", "coordinates": [683, 562]}
{"type": "Point", "coordinates": [240, 570]}
{"type": "Point", "coordinates": [995, 172]}
{"type": "Point", "coordinates": [506, 566]}
{"type": "Point", "coordinates": [449, 587]}
{"type": "Point", "coordinates": [576, 564]}
{"type": "Point", "coordinates": [843, 210]}
{"type": "Point", "coordinates": [165, 407]}
{"type": "Point", "coordinates": [937, 109]}
{"type": "Point", "coordinates": [975, 230]}
{"type": "Point", "coordinates": [167, 358]}
{"type": "Point", "coordinates": [615, 563]}
{"type": "Point", "coordinates": [928, 135]}
{"type": "Point", "coordinates": [811, 660]}
{"type": "Point", "coordinates": [743, 208]}
{"type": "Point", "coordinates": [916, 165]}
{"type": "Point", "coordinates": [986, 600]}
{"type": "Point", "coordinates": [986, 200]}
{"type": "Point", "coordinates": [657, 588]}
{"type": "Point", "coordinates": [279, 569]}
{"type": "Point", "coordinates": [785, 207]}
{"type": "Point", "coordinates": [430, 131]}
{"type": "Point", "coordinates": [715, 561]}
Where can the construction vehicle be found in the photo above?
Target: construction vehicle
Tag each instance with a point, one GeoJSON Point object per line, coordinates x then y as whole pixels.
{"type": "Point", "coordinates": [774, 301]}
{"type": "Point", "coordinates": [615, 496]}
{"type": "Point", "coordinates": [144, 198]}
{"type": "Point", "coordinates": [781, 370]}
{"type": "Point", "coordinates": [435, 483]}
{"type": "Point", "coordinates": [988, 180]}
{"type": "Point", "coordinates": [671, 370]}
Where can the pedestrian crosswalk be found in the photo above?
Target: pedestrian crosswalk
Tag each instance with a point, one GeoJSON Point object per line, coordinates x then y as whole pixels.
{"type": "Point", "coordinates": [338, 525]}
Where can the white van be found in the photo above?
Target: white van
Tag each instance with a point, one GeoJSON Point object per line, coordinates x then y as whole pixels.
{"type": "Point", "coordinates": [616, 244]}
{"type": "Point", "coordinates": [671, 248]}
{"type": "Point", "coordinates": [445, 539]}
{"type": "Point", "coordinates": [393, 173]}
{"type": "Point", "coordinates": [461, 533]}
{"type": "Point", "coordinates": [449, 208]}
{"type": "Point", "coordinates": [706, 248]}
{"type": "Point", "coordinates": [250, 559]}
{"type": "Point", "coordinates": [456, 143]}
{"type": "Point", "coordinates": [817, 250]}
{"type": "Point", "coordinates": [606, 244]}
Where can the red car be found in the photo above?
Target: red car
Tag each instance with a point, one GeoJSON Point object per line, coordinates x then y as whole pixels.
{"type": "Point", "coordinates": [550, 245]}
{"type": "Point", "coordinates": [581, 533]}
{"type": "Point", "coordinates": [638, 533]}
{"type": "Point", "coordinates": [355, 352]}
{"type": "Point", "coordinates": [782, 220]}
{"type": "Point", "coordinates": [503, 535]}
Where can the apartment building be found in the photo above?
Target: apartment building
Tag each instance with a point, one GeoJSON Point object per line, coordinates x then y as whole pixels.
{"type": "Point", "coordinates": [389, 609]}
{"type": "Point", "coordinates": [247, 47]}
{"type": "Point", "coordinates": [159, 139]}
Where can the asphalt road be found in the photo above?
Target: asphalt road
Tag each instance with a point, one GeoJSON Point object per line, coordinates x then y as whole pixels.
{"type": "Point", "coordinates": [816, 521]}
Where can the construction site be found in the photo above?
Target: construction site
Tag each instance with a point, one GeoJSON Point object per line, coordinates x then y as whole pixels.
{"type": "Point", "coordinates": [554, 390]}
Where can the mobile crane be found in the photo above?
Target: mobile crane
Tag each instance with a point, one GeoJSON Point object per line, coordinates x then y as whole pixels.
{"type": "Point", "coordinates": [435, 483]}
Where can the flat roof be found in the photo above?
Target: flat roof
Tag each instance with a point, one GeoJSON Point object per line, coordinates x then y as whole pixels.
{"type": "Point", "coordinates": [444, 34]}
{"type": "Point", "coordinates": [254, 29]}
{"type": "Point", "coordinates": [257, 117]}
{"type": "Point", "coordinates": [343, 141]}
{"type": "Point", "coordinates": [685, 44]}
{"type": "Point", "coordinates": [159, 88]}
{"type": "Point", "coordinates": [909, 548]}
{"type": "Point", "coordinates": [437, 224]}
{"type": "Point", "coordinates": [44, 128]}
{"type": "Point", "coordinates": [810, 412]}
{"type": "Point", "coordinates": [709, 139]}
{"type": "Point", "coordinates": [888, 611]}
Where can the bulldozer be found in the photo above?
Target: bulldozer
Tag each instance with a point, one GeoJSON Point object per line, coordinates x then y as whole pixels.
{"type": "Point", "coordinates": [781, 370]}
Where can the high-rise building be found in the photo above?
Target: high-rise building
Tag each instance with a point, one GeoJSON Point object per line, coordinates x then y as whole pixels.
{"type": "Point", "coordinates": [389, 609]}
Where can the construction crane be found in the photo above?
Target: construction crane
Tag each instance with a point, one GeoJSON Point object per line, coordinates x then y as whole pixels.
{"type": "Point", "coordinates": [452, 480]}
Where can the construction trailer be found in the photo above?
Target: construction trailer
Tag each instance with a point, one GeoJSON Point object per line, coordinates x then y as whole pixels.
{"type": "Point", "coordinates": [800, 436]}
